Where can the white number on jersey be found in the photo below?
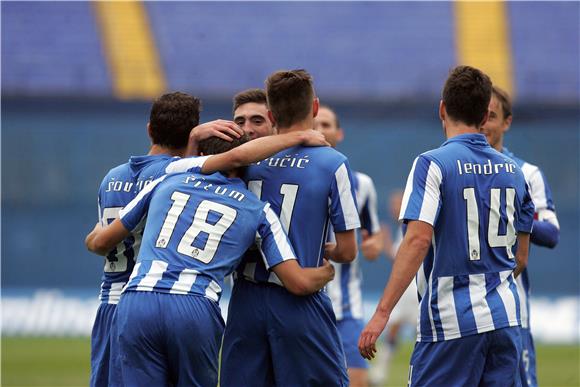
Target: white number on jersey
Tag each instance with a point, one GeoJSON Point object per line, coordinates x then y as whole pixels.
{"type": "Point", "coordinates": [200, 224]}
{"type": "Point", "coordinates": [114, 263]}
{"type": "Point", "coordinates": [495, 240]}
{"type": "Point", "coordinates": [288, 192]}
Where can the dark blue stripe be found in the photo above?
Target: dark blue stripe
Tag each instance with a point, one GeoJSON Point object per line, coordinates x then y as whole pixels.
{"type": "Point", "coordinates": [514, 290]}
{"type": "Point", "coordinates": [435, 311]}
{"type": "Point", "coordinates": [496, 305]}
{"type": "Point", "coordinates": [463, 305]}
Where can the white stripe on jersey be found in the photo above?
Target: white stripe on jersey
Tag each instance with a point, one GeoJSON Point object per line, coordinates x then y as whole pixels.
{"type": "Point", "coordinates": [213, 290]}
{"type": "Point", "coordinates": [447, 311]}
{"type": "Point", "coordinates": [280, 237]}
{"type": "Point", "coordinates": [421, 281]}
{"type": "Point", "coordinates": [273, 278]}
{"type": "Point", "coordinates": [408, 191]}
{"type": "Point", "coordinates": [250, 269]}
{"type": "Point", "coordinates": [153, 276]}
{"type": "Point", "coordinates": [115, 292]}
{"type": "Point", "coordinates": [185, 281]}
{"type": "Point", "coordinates": [354, 291]}
{"type": "Point", "coordinates": [185, 164]}
{"type": "Point", "coordinates": [334, 291]}
{"type": "Point", "coordinates": [537, 189]}
{"type": "Point", "coordinates": [147, 189]}
{"type": "Point", "coordinates": [347, 202]}
{"type": "Point", "coordinates": [366, 193]}
{"type": "Point", "coordinates": [432, 193]}
{"type": "Point", "coordinates": [507, 297]}
{"type": "Point", "coordinates": [523, 302]}
{"type": "Point", "coordinates": [481, 311]}
{"type": "Point", "coordinates": [134, 274]}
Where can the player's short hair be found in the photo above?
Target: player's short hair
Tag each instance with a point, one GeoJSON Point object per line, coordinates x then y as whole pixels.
{"type": "Point", "coordinates": [172, 117]}
{"type": "Point", "coordinates": [290, 95]}
{"type": "Point", "coordinates": [504, 100]}
{"type": "Point", "coordinates": [466, 95]}
{"type": "Point", "coordinates": [336, 121]}
{"type": "Point", "coordinates": [249, 96]}
{"type": "Point", "coordinates": [215, 145]}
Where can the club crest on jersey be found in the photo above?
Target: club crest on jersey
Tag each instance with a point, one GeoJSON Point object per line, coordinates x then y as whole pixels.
{"type": "Point", "coordinates": [161, 243]}
{"type": "Point", "coordinates": [474, 254]}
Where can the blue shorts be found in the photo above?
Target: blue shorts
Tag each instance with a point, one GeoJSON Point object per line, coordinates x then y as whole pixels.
{"type": "Point", "coordinates": [528, 361]}
{"type": "Point", "coordinates": [273, 337]}
{"type": "Point", "coordinates": [168, 339]}
{"type": "Point", "coordinates": [100, 345]}
{"type": "Point", "coordinates": [350, 330]}
{"type": "Point", "coordinates": [485, 359]}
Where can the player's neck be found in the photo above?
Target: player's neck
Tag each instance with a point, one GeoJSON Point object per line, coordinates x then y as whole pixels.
{"type": "Point", "coordinates": [302, 125]}
{"type": "Point", "coordinates": [456, 128]}
{"type": "Point", "coordinates": [163, 150]}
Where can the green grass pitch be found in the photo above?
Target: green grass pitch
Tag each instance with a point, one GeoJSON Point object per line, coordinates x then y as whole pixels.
{"type": "Point", "coordinates": [65, 362]}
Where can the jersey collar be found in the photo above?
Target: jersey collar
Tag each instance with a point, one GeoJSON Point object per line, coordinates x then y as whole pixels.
{"type": "Point", "coordinates": [477, 139]}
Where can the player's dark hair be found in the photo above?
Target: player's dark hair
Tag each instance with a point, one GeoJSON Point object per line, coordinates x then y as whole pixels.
{"type": "Point", "coordinates": [249, 96]}
{"type": "Point", "coordinates": [172, 117]}
{"type": "Point", "coordinates": [290, 95]}
{"type": "Point", "coordinates": [466, 95]}
{"type": "Point", "coordinates": [335, 116]}
{"type": "Point", "coordinates": [504, 100]}
{"type": "Point", "coordinates": [215, 145]}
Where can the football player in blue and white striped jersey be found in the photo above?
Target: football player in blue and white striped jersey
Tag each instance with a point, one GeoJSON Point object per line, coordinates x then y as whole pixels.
{"type": "Point", "coordinates": [273, 337]}
{"type": "Point", "coordinates": [345, 290]}
{"type": "Point", "coordinates": [546, 230]}
{"type": "Point", "coordinates": [469, 216]}
{"type": "Point", "coordinates": [198, 227]}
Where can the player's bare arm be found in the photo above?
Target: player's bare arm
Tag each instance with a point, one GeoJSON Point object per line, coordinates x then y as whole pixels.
{"type": "Point", "coordinates": [103, 239]}
{"type": "Point", "coordinates": [261, 148]}
{"type": "Point", "coordinates": [226, 130]}
{"type": "Point", "coordinates": [371, 245]}
{"type": "Point", "coordinates": [303, 281]}
{"type": "Point", "coordinates": [522, 252]}
{"type": "Point", "coordinates": [345, 249]}
{"type": "Point", "coordinates": [413, 249]}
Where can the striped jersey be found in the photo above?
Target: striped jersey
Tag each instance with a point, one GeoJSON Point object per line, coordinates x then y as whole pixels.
{"type": "Point", "coordinates": [307, 187]}
{"type": "Point", "coordinates": [345, 289]}
{"type": "Point", "coordinates": [544, 211]}
{"type": "Point", "coordinates": [117, 189]}
{"type": "Point", "coordinates": [197, 229]}
{"type": "Point", "coordinates": [477, 200]}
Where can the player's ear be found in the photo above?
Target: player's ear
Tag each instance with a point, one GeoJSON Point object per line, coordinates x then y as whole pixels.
{"type": "Point", "coordinates": [339, 135]}
{"type": "Point", "coordinates": [315, 106]}
{"type": "Point", "coordinates": [508, 123]}
{"type": "Point", "coordinates": [442, 112]}
{"type": "Point", "coordinates": [271, 117]}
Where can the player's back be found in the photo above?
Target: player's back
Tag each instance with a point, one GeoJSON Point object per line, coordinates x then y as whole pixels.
{"type": "Point", "coordinates": [476, 199]}
{"type": "Point", "coordinates": [197, 229]}
{"type": "Point", "coordinates": [306, 187]}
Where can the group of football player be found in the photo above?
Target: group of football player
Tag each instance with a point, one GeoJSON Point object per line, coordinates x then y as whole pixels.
{"type": "Point", "coordinates": [266, 197]}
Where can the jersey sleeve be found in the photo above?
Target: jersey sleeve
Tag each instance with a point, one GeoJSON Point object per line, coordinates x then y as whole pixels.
{"type": "Point", "coordinates": [542, 197]}
{"type": "Point", "coordinates": [273, 242]}
{"type": "Point", "coordinates": [188, 164]}
{"type": "Point", "coordinates": [342, 203]}
{"type": "Point", "coordinates": [422, 197]}
{"type": "Point", "coordinates": [369, 217]}
{"type": "Point", "coordinates": [525, 219]}
{"type": "Point", "coordinates": [137, 208]}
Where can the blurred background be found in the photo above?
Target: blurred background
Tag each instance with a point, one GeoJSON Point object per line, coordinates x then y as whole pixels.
{"type": "Point", "coordinates": [78, 79]}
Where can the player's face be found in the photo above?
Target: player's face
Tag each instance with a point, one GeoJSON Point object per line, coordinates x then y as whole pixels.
{"type": "Point", "coordinates": [496, 125]}
{"type": "Point", "coordinates": [325, 122]}
{"type": "Point", "coordinates": [253, 119]}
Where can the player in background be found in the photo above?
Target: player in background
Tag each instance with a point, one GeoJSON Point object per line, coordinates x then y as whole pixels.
{"type": "Point", "coordinates": [170, 129]}
{"type": "Point", "coordinates": [546, 230]}
{"type": "Point", "coordinates": [345, 290]}
{"type": "Point", "coordinates": [250, 112]}
{"type": "Point", "coordinates": [469, 217]}
{"type": "Point", "coordinates": [405, 312]}
{"type": "Point", "coordinates": [172, 118]}
{"type": "Point", "coordinates": [198, 227]}
{"type": "Point", "coordinates": [273, 337]}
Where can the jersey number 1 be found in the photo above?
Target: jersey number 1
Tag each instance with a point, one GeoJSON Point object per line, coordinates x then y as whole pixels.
{"type": "Point", "coordinates": [214, 232]}
{"type": "Point", "coordinates": [494, 239]}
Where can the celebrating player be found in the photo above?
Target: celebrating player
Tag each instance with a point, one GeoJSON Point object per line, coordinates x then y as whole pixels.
{"type": "Point", "coordinates": [468, 215]}
{"type": "Point", "coordinates": [345, 289]}
{"type": "Point", "coordinates": [546, 230]}
{"type": "Point", "coordinates": [273, 337]}
{"type": "Point", "coordinates": [198, 227]}
{"type": "Point", "coordinates": [251, 113]}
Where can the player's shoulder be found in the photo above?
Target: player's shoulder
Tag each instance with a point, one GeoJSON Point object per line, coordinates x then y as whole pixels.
{"type": "Point", "coordinates": [362, 179]}
{"type": "Point", "coordinates": [528, 169]}
{"type": "Point", "coordinates": [120, 172]}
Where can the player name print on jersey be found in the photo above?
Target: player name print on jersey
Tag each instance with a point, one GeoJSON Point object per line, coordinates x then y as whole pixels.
{"type": "Point", "coordinates": [488, 168]}
{"type": "Point", "coordinates": [288, 161]}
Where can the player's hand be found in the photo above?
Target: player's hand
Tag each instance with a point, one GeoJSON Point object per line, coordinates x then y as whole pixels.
{"type": "Point", "coordinates": [226, 130]}
{"type": "Point", "coordinates": [329, 250]}
{"type": "Point", "coordinates": [329, 269]}
{"type": "Point", "coordinates": [369, 335]}
{"type": "Point", "coordinates": [312, 137]}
